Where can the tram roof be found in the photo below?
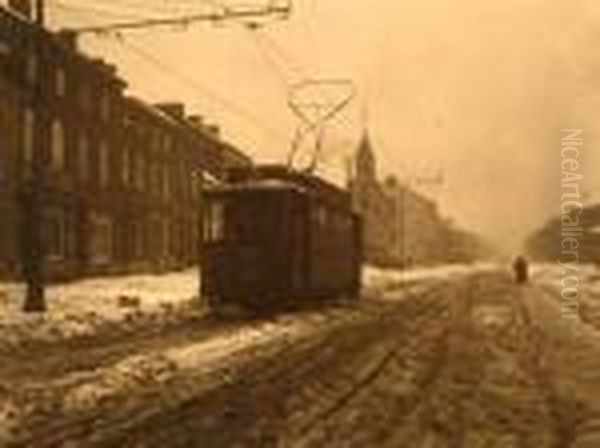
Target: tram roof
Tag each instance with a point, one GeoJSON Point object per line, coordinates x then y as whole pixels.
{"type": "Point", "coordinates": [255, 185]}
{"type": "Point", "coordinates": [263, 178]}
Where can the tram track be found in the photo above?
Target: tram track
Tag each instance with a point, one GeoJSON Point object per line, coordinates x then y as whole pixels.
{"type": "Point", "coordinates": [455, 363]}
{"type": "Point", "coordinates": [263, 386]}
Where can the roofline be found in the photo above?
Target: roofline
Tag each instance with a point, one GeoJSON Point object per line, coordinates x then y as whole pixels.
{"type": "Point", "coordinates": [53, 39]}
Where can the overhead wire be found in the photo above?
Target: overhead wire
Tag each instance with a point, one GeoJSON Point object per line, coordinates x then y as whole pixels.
{"type": "Point", "coordinates": [57, 4]}
{"type": "Point", "coordinates": [197, 86]}
{"type": "Point", "coordinates": [174, 74]}
{"type": "Point", "coordinates": [281, 73]}
{"type": "Point", "coordinates": [274, 54]}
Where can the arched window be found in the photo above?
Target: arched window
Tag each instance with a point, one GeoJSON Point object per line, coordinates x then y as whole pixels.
{"type": "Point", "coordinates": [58, 145]}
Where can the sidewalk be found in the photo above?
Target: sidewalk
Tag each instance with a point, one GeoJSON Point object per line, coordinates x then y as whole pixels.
{"type": "Point", "coordinates": [95, 308]}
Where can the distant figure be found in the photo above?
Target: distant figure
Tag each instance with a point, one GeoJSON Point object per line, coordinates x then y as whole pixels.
{"type": "Point", "coordinates": [521, 268]}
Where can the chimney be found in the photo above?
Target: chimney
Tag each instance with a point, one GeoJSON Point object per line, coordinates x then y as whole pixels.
{"type": "Point", "coordinates": [68, 38]}
{"type": "Point", "coordinates": [23, 7]}
{"type": "Point", "coordinates": [197, 121]}
{"type": "Point", "coordinates": [111, 69]}
{"type": "Point", "coordinates": [175, 110]}
{"type": "Point", "coordinates": [213, 130]}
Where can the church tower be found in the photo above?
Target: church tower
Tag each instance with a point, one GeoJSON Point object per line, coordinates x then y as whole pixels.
{"type": "Point", "coordinates": [365, 167]}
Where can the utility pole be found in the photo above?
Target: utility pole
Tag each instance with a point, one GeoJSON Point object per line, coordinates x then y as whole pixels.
{"type": "Point", "coordinates": [33, 244]}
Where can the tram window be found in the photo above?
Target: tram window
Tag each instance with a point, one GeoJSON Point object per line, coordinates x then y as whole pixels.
{"type": "Point", "coordinates": [214, 221]}
{"type": "Point", "coordinates": [322, 215]}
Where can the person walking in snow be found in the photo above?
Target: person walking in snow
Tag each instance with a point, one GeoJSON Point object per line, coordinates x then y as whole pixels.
{"type": "Point", "coordinates": [521, 269]}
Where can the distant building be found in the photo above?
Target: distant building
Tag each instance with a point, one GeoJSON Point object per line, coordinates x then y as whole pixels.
{"type": "Point", "coordinates": [419, 226]}
{"type": "Point", "coordinates": [402, 228]}
{"type": "Point", "coordinates": [378, 211]}
{"type": "Point", "coordinates": [122, 180]}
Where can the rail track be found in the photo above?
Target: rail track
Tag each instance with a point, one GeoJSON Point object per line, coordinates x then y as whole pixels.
{"type": "Point", "coordinates": [459, 363]}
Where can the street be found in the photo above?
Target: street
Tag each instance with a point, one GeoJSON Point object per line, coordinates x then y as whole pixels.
{"type": "Point", "coordinates": [470, 361]}
{"type": "Point", "coordinates": [299, 224]}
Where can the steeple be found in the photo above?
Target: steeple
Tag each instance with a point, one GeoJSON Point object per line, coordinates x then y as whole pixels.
{"type": "Point", "coordinates": [365, 159]}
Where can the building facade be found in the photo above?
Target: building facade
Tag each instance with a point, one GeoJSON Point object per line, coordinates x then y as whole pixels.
{"type": "Point", "coordinates": [119, 180]}
{"type": "Point", "coordinates": [402, 228]}
{"type": "Point", "coordinates": [378, 211]}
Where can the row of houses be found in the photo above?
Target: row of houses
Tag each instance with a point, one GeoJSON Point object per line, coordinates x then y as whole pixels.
{"type": "Point", "coordinates": [403, 228]}
{"type": "Point", "coordinates": [119, 180]}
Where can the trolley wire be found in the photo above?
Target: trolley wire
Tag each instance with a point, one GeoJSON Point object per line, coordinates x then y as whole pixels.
{"type": "Point", "coordinates": [176, 75]}
{"type": "Point", "coordinates": [281, 72]}
{"type": "Point", "coordinates": [185, 79]}
{"type": "Point", "coordinates": [93, 10]}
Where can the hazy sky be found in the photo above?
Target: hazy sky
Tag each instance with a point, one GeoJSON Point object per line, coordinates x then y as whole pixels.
{"type": "Point", "coordinates": [478, 90]}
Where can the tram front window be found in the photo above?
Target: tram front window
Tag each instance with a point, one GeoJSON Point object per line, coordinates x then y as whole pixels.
{"type": "Point", "coordinates": [214, 221]}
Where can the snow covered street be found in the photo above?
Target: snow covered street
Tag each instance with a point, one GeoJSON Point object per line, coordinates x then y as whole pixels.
{"type": "Point", "coordinates": [459, 357]}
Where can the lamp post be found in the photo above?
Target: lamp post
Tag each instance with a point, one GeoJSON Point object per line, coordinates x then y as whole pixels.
{"type": "Point", "coordinates": [33, 245]}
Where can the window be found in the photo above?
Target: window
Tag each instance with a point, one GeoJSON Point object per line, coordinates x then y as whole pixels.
{"type": "Point", "coordinates": [155, 178]}
{"type": "Point", "coordinates": [214, 221]}
{"type": "Point", "coordinates": [199, 185]}
{"type": "Point", "coordinates": [85, 98]}
{"type": "Point", "coordinates": [166, 181]}
{"type": "Point", "coordinates": [31, 68]}
{"type": "Point", "coordinates": [167, 144]}
{"type": "Point", "coordinates": [155, 241]}
{"type": "Point", "coordinates": [155, 142]}
{"type": "Point", "coordinates": [322, 215]}
{"type": "Point", "coordinates": [141, 171]}
{"type": "Point", "coordinates": [83, 157]}
{"type": "Point", "coordinates": [105, 107]}
{"type": "Point", "coordinates": [58, 145]}
{"type": "Point", "coordinates": [132, 167]}
{"type": "Point", "coordinates": [140, 239]}
{"type": "Point", "coordinates": [28, 135]}
{"type": "Point", "coordinates": [55, 235]}
{"type": "Point", "coordinates": [60, 82]}
{"type": "Point", "coordinates": [103, 164]}
{"type": "Point", "coordinates": [126, 167]}
{"type": "Point", "coordinates": [166, 240]}
{"type": "Point", "coordinates": [100, 239]}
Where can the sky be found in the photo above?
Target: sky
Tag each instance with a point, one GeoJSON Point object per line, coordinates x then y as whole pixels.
{"type": "Point", "coordinates": [474, 92]}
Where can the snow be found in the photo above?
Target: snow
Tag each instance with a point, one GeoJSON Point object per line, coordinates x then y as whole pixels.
{"type": "Point", "coordinates": [202, 358]}
{"type": "Point", "coordinates": [101, 306]}
{"type": "Point", "coordinates": [94, 306]}
{"type": "Point", "coordinates": [551, 276]}
{"type": "Point", "coordinates": [378, 279]}
{"type": "Point", "coordinates": [162, 377]}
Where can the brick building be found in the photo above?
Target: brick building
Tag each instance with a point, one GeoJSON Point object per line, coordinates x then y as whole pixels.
{"type": "Point", "coordinates": [120, 181]}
